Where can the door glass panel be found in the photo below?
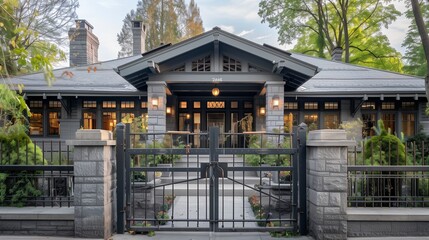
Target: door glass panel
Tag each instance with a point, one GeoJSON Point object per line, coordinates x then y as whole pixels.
{"type": "Point", "coordinates": [197, 129]}
{"type": "Point", "coordinates": [184, 122]}
{"type": "Point", "coordinates": [217, 120]}
{"type": "Point", "coordinates": [234, 129]}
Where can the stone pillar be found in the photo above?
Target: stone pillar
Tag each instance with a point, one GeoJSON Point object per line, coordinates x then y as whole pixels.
{"type": "Point", "coordinates": [274, 99]}
{"type": "Point", "coordinates": [156, 94]}
{"type": "Point", "coordinates": [327, 183]}
{"type": "Point", "coordinates": [95, 183]}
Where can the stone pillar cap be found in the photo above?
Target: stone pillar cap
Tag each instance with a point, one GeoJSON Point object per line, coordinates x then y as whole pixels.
{"type": "Point", "coordinates": [329, 138]}
{"type": "Point", "coordinates": [92, 137]}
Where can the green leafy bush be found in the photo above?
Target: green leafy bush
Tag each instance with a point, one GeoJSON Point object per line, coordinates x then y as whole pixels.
{"type": "Point", "coordinates": [384, 149]}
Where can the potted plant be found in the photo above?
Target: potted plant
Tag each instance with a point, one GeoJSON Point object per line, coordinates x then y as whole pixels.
{"type": "Point", "coordinates": [259, 215]}
{"type": "Point", "coordinates": [162, 217]}
{"type": "Point", "coordinates": [166, 160]}
{"type": "Point", "coordinates": [281, 176]}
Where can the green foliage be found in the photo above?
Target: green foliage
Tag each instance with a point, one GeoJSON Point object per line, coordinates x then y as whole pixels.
{"type": "Point", "coordinates": [415, 60]}
{"type": "Point", "coordinates": [23, 189]}
{"type": "Point", "coordinates": [162, 217]}
{"type": "Point", "coordinates": [3, 187]}
{"type": "Point", "coordinates": [420, 142]}
{"type": "Point", "coordinates": [322, 26]}
{"type": "Point", "coordinates": [166, 21]}
{"type": "Point", "coordinates": [258, 141]}
{"type": "Point", "coordinates": [30, 34]}
{"type": "Point", "coordinates": [353, 129]}
{"type": "Point", "coordinates": [385, 148]}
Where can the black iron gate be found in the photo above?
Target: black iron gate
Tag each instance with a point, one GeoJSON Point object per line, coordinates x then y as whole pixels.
{"type": "Point", "coordinates": [166, 184]}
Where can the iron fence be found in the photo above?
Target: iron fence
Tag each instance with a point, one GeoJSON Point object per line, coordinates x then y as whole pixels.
{"type": "Point", "coordinates": [36, 173]}
{"type": "Point", "coordinates": [209, 181]}
{"type": "Point", "coordinates": [389, 175]}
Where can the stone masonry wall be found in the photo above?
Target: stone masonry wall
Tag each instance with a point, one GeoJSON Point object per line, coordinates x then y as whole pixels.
{"type": "Point", "coordinates": [95, 183]}
{"type": "Point", "coordinates": [327, 183]}
{"type": "Point", "coordinates": [274, 114]}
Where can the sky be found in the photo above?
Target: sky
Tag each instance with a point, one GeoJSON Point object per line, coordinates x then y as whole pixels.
{"type": "Point", "coordinates": [238, 17]}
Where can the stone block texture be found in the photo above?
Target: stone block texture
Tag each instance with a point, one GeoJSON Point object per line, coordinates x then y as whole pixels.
{"type": "Point", "coordinates": [327, 184]}
{"type": "Point", "coordinates": [157, 115]}
{"type": "Point", "coordinates": [387, 228]}
{"type": "Point", "coordinates": [95, 184]}
{"type": "Point", "coordinates": [53, 227]}
{"type": "Point", "coordinates": [274, 114]}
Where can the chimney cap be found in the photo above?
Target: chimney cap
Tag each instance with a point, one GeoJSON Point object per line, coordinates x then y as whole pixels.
{"type": "Point", "coordinates": [83, 23]}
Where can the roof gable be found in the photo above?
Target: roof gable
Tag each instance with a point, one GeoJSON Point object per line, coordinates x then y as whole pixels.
{"type": "Point", "coordinates": [293, 71]}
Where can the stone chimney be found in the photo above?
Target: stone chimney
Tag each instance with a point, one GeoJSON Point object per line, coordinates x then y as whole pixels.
{"type": "Point", "coordinates": [139, 37]}
{"type": "Point", "coordinates": [337, 54]}
{"type": "Point", "coordinates": [83, 44]}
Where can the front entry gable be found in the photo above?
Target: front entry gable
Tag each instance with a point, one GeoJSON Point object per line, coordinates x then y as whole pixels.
{"type": "Point", "coordinates": [217, 51]}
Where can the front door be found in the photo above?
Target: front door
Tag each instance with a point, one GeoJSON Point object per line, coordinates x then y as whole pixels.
{"type": "Point", "coordinates": [217, 120]}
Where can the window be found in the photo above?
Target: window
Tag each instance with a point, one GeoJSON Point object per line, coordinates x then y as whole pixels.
{"type": "Point", "coordinates": [331, 120]}
{"type": "Point", "coordinates": [127, 104]}
{"type": "Point", "coordinates": [234, 104]}
{"type": "Point", "coordinates": [36, 124]}
{"type": "Point", "coordinates": [143, 104]}
{"type": "Point", "coordinates": [89, 120]}
{"type": "Point", "coordinates": [89, 104]}
{"type": "Point", "coordinates": [408, 124]}
{"type": "Point", "coordinates": [201, 65]}
{"type": "Point", "coordinates": [369, 121]}
{"type": "Point", "coordinates": [213, 104]}
{"type": "Point", "coordinates": [184, 122]}
{"type": "Point", "coordinates": [36, 104]}
{"type": "Point", "coordinates": [408, 106]}
{"type": "Point", "coordinates": [311, 105]}
{"type": "Point", "coordinates": [312, 121]}
{"type": "Point", "coordinates": [197, 104]}
{"type": "Point", "coordinates": [127, 117]}
{"type": "Point", "coordinates": [331, 105]}
{"type": "Point", "coordinates": [387, 105]}
{"type": "Point", "coordinates": [368, 106]}
{"type": "Point", "coordinates": [109, 120]}
{"type": "Point", "coordinates": [183, 105]}
{"type": "Point", "coordinates": [54, 104]}
{"type": "Point", "coordinates": [109, 104]}
{"type": "Point", "coordinates": [389, 121]}
{"type": "Point", "coordinates": [248, 105]}
{"type": "Point", "coordinates": [54, 123]}
{"type": "Point", "coordinates": [291, 105]}
{"type": "Point", "coordinates": [290, 120]}
{"type": "Point", "coordinates": [231, 65]}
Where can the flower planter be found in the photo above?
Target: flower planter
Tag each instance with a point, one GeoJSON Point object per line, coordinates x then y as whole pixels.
{"type": "Point", "coordinates": [165, 165]}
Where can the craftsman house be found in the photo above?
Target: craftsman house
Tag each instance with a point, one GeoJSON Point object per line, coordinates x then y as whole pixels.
{"type": "Point", "coordinates": [216, 79]}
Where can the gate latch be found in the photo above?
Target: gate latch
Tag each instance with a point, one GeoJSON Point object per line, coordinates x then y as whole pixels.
{"type": "Point", "coordinates": [220, 169]}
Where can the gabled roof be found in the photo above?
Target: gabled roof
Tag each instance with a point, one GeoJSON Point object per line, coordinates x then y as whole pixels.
{"type": "Point", "coordinates": [101, 80]}
{"type": "Point", "coordinates": [342, 78]}
{"type": "Point", "coordinates": [294, 71]}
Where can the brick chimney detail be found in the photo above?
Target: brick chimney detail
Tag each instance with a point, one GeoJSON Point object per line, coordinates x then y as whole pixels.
{"type": "Point", "coordinates": [83, 44]}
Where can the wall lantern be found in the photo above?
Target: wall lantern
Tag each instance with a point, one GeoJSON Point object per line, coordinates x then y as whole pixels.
{"type": "Point", "coordinates": [262, 111]}
{"type": "Point", "coordinates": [154, 102]}
{"type": "Point", "coordinates": [215, 91]}
{"type": "Point", "coordinates": [168, 110]}
{"type": "Point", "coordinates": [276, 101]}
{"type": "Point", "coordinates": [188, 116]}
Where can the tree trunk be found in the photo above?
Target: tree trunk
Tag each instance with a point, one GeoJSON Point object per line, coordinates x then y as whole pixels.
{"type": "Point", "coordinates": [321, 36]}
{"type": "Point", "coordinates": [421, 26]}
{"type": "Point", "coordinates": [346, 32]}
